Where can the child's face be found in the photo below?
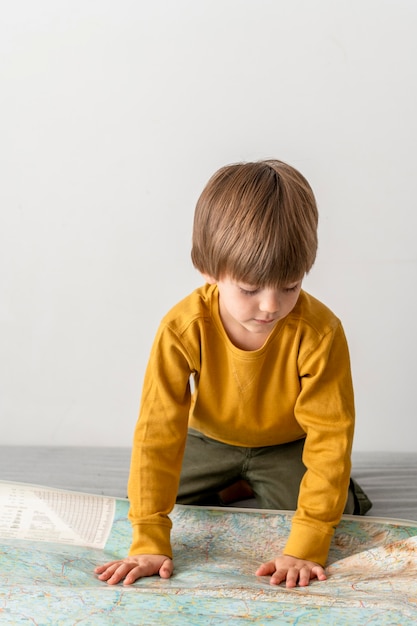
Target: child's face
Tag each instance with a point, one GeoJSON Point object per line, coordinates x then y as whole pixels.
{"type": "Point", "coordinates": [249, 313]}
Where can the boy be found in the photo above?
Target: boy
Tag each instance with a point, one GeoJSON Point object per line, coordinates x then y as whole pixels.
{"type": "Point", "coordinates": [272, 402]}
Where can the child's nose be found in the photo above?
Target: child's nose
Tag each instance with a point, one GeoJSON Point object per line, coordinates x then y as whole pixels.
{"type": "Point", "coordinates": [269, 302]}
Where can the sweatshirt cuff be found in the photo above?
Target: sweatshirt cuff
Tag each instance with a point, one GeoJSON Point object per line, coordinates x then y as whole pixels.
{"type": "Point", "coordinates": [308, 543]}
{"type": "Point", "coordinates": [151, 539]}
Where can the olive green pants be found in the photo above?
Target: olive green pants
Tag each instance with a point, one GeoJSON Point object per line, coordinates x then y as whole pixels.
{"type": "Point", "coordinates": [273, 472]}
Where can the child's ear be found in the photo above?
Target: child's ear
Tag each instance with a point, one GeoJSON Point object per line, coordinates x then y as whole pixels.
{"type": "Point", "coordinates": [209, 279]}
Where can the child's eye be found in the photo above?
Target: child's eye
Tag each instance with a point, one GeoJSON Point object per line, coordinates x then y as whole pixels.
{"type": "Point", "coordinates": [248, 292]}
{"type": "Point", "coordinates": [291, 289]}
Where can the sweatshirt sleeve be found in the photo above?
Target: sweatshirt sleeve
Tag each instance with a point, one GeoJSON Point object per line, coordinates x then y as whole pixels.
{"type": "Point", "coordinates": [325, 411]}
{"type": "Point", "coordinates": [158, 445]}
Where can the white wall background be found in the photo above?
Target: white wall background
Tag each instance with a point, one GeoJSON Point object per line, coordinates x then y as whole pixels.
{"type": "Point", "coordinates": [114, 113]}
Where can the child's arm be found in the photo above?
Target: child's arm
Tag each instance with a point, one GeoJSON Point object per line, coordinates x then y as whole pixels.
{"type": "Point", "coordinates": [134, 567]}
{"type": "Point", "coordinates": [158, 446]}
{"type": "Point", "coordinates": [292, 570]}
{"type": "Point", "coordinates": [325, 410]}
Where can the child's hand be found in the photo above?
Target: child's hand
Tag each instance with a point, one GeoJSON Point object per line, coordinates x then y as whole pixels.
{"type": "Point", "coordinates": [134, 567]}
{"type": "Point", "coordinates": [288, 568]}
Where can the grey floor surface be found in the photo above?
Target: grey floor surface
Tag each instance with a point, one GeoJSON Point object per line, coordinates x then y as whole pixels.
{"type": "Point", "coordinates": [389, 479]}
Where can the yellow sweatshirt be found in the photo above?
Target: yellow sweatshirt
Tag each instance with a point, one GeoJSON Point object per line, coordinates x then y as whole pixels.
{"type": "Point", "coordinates": [297, 385]}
